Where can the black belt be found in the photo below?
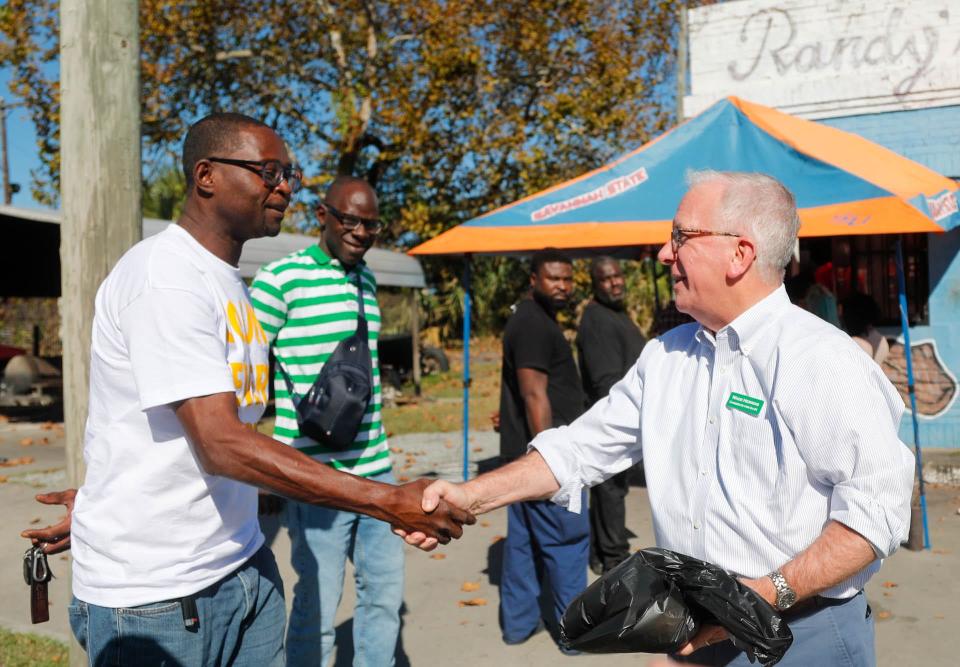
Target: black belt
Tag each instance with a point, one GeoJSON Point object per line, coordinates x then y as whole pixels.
{"type": "Point", "coordinates": [811, 606]}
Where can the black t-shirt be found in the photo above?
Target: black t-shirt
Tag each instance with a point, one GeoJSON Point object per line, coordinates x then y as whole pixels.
{"type": "Point", "coordinates": [533, 339]}
{"type": "Point", "coordinates": [608, 345]}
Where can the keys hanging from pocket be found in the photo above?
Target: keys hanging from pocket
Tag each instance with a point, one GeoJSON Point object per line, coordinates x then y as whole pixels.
{"type": "Point", "coordinates": [36, 572]}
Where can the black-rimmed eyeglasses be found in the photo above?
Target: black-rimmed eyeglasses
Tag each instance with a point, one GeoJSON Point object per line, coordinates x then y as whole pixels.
{"type": "Point", "coordinates": [351, 222]}
{"type": "Point", "coordinates": [678, 236]}
{"type": "Point", "coordinates": [273, 172]}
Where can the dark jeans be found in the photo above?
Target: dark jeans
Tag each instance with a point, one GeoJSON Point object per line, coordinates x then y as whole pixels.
{"type": "Point", "coordinates": [608, 531]}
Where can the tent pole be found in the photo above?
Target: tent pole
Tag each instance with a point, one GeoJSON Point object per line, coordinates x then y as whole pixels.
{"type": "Point", "coordinates": [908, 351]}
{"type": "Point", "coordinates": [466, 367]}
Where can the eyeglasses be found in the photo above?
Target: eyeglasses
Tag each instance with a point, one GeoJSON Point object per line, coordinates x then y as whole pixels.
{"type": "Point", "coordinates": [273, 172]}
{"type": "Point", "coordinates": [351, 222]}
{"type": "Point", "coordinates": [678, 236]}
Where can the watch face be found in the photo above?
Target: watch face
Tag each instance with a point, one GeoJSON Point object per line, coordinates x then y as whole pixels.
{"type": "Point", "coordinates": [787, 599]}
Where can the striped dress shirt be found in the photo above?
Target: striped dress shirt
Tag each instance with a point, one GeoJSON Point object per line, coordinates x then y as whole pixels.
{"type": "Point", "coordinates": [752, 440]}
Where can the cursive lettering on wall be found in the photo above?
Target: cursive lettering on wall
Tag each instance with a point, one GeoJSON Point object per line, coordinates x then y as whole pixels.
{"type": "Point", "coordinates": [770, 35]}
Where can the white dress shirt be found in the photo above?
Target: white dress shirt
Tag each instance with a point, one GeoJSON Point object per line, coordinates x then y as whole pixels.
{"type": "Point", "coordinates": [740, 483]}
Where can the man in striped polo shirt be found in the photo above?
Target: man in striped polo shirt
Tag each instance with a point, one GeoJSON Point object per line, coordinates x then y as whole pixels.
{"type": "Point", "coordinates": [307, 303]}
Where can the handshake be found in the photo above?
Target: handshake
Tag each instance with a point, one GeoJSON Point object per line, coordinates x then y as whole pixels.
{"type": "Point", "coordinates": [425, 513]}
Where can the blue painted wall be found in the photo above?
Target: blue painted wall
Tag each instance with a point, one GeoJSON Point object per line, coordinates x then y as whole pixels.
{"type": "Point", "coordinates": [932, 138]}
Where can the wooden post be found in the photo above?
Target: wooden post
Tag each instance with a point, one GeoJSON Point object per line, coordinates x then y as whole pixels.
{"type": "Point", "coordinates": [415, 335]}
{"type": "Point", "coordinates": [99, 184]}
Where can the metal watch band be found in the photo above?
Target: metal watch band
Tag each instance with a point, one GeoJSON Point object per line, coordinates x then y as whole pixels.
{"type": "Point", "coordinates": [786, 596]}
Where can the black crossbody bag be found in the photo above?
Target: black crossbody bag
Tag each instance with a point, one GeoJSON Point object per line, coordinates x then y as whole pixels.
{"type": "Point", "coordinates": [332, 409]}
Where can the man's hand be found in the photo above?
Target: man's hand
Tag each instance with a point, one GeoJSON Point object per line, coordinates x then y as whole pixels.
{"type": "Point", "coordinates": [495, 421]}
{"type": "Point", "coordinates": [707, 636]}
{"type": "Point", "coordinates": [55, 538]}
{"type": "Point", "coordinates": [436, 493]}
{"type": "Point", "coordinates": [441, 523]}
{"type": "Point", "coordinates": [713, 634]}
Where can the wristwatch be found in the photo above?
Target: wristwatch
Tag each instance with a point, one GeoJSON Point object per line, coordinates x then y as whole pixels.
{"type": "Point", "coordinates": [786, 596]}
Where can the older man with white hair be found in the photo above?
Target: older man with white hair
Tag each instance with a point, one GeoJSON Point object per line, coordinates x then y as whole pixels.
{"type": "Point", "coordinates": [769, 440]}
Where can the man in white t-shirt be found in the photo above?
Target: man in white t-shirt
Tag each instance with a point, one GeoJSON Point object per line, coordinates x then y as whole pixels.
{"type": "Point", "coordinates": [169, 562]}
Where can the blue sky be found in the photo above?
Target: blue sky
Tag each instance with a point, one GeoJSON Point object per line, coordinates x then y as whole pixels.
{"type": "Point", "coordinates": [21, 147]}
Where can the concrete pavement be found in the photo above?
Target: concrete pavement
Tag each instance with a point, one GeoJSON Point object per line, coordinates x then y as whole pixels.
{"type": "Point", "coordinates": [914, 596]}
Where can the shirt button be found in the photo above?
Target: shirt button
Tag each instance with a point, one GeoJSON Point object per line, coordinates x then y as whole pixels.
{"type": "Point", "coordinates": [696, 525]}
{"type": "Point", "coordinates": [712, 420]}
{"type": "Point", "coordinates": [703, 472]}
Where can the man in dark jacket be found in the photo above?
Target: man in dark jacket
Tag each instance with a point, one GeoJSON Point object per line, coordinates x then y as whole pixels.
{"type": "Point", "coordinates": [608, 344]}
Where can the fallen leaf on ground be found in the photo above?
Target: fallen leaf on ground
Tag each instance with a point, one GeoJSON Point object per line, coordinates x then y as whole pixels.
{"type": "Point", "coordinates": [3, 479]}
{"type": "Point", "coordinates": [438, 556]}
{"type": "Point", "coordinates": [939, 616]}
{"type": "Point", "coordinates": [496, 538]}
{"type": "Point", "coordinates": [942, 552]}
{"type": "Point", "coordinates": [470, 586]}
{"type": "Point", "coordinates": [44, 441]}
{"type": "Point", "coordinates": [26, 442]}
{"type": "Point", "coordinates": [46, 426]}
{"type": "Point", "coordinates": [485, 524]}
{"type": "Point", "coordinates": [4, 419]}
{"type": "Point", "coordinates": [889, 584]}
{"type": "Point", "coordinates": [464, 622]}
{"type": "Point", "coordinates": [403, 478]}
{"type": "Point", "coordinates": [473, 602]}
{"type": "Point", "coordinates": [21, 461]}
{"type": "Point", "coordinates": [883, 615]}
{"type": "Point", "coordinates": [34, 521]}
{"type": "Point", "coordinates": [887, 594]}
{"type": "Point", "coordinates": [478, 450]}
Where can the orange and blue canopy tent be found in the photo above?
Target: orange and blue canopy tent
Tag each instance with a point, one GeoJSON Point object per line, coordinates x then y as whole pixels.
{"type": "Point", "coordinates": [843, 184]}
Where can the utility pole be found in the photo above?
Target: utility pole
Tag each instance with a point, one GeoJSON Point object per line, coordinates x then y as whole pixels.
{"type": "Point", "coordinates": [8, 187]}
{"type": "Point", "coordinates": [99, 184]}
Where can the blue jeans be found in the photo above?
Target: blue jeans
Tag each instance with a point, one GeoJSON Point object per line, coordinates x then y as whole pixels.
{"type": "Point", "coordinates": [241, 623]}
{"type": "Point", "coordinates": [837, 636]}
{"type": "Point", "coordinates": [543, 539]}
{"type": "Point", "coordinates": [321, 540]}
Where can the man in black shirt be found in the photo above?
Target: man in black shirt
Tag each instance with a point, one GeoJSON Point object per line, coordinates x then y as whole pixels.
{"type": "Point", "coordinates": [540, 389]}
{"type": "Point", "coordinates": [608, 344]}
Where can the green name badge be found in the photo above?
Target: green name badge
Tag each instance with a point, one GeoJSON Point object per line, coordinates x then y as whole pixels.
{"type": "Point", "coordinates": [744, 403]}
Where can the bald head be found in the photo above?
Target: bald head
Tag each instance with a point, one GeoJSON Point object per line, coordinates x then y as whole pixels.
{"type": "Point", "coordinates": [345, 189]}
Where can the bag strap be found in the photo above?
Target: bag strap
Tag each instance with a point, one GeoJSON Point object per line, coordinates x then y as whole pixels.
{"type": "Point", "coordinates": [361, 314]}
{"type": "Point", "coordinates": [286, 378]}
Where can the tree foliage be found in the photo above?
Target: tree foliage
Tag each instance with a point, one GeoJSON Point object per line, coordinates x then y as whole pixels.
{"type": "Point", "coordinates": [450, 108]}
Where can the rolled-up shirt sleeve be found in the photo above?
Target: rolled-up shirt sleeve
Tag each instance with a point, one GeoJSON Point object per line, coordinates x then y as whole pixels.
{"type": "Point", "coordinates": [847, 434]}
{"type": "Point", "coordinates": [604, 441]}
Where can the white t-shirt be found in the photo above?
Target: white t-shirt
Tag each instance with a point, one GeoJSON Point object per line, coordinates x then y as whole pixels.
{"type": "Point", "coordinates": [172, 322]}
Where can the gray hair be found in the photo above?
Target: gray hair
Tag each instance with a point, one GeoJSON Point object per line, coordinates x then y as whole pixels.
{"type": "Point", "coordinates": [758, 206]}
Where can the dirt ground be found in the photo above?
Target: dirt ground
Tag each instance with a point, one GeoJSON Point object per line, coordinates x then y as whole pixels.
{"type": "Point", "coordinates": [914, 596]}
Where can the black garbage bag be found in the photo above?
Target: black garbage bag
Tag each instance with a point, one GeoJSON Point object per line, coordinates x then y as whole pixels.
{"type": "Point", "coordinates": [656, 600]}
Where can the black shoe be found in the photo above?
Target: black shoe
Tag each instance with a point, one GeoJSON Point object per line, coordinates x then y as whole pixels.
{"type": "Point", "coordinates": [570, 651]}
{"type": "Point", "coordinates": [513, 642]}
{"type": "Point", "coordinates": [596, 568]}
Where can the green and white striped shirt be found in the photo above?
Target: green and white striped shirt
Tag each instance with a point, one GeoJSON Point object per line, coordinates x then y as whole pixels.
{"type": "Point", "coordinates": [307, 304]}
